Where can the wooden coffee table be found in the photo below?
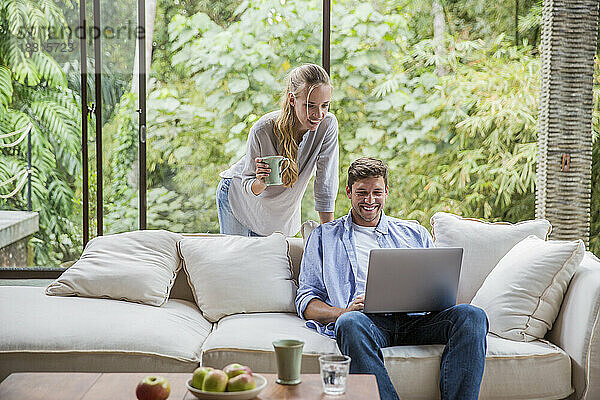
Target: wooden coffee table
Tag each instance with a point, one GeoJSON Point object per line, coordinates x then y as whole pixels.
{"type": "Point", "coordinates": [121, 386]}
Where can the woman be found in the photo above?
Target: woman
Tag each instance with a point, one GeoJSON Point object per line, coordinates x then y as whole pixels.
{"type": "Point", "coordinates": [302, 131]}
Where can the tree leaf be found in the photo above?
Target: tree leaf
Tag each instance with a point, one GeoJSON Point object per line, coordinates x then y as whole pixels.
{"type": "Point", "coordinates": [369, 133]}
{"type": "Point", "coordinates": [6, 88]}
{"type": "Point", "coordinates": [243, 109]}
{"type": "Point", "coordinates": [238, 85]}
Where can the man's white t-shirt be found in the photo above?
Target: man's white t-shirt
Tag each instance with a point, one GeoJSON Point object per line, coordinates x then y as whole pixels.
{"type": "Point", "coordinates": [365, 239]}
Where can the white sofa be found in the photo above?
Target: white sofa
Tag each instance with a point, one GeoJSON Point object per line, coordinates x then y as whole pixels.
{"type": "Point", "coordinates": [49, 333]}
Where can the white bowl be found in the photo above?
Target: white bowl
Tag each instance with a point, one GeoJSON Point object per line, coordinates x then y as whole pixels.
{"type": "Point", "coordinates": [261, 383]}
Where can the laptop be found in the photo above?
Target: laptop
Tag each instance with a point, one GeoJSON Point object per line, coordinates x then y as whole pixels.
{"type": "Point", "coordinates": [412, 280]}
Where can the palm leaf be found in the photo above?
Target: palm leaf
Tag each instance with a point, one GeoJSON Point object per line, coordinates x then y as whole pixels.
{"type": "Point", "coordinates": [60, 196]}
{"type": "Point", "coordinates": [6, 88]}
{"type": "Point", "coordinates": [49, 70]}
{"type": "Point", "coordinates": [16, 15]}
{"type": "Point", "coordinates": [53, 13]}
{"type": "Point", "coordinates": [37, 23]}
{"type": "Point", "coordinates": [24, 71]}
{"type": "Point", "coordinates": [42, 152]}
{"type": "Point", "coordinates": [55, 119]}
{"type": "Point", "coordinates": [64, 97]}
{"type": "Point", "coordinates": [65, 142]}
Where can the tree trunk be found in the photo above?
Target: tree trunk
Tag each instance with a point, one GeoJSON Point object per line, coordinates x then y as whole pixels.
{"type": "Point", "coordinates": [439, 36]}
{"type": "Point", "coordinates": [568, 45]}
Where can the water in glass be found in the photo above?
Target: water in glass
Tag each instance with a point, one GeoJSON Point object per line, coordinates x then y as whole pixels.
{"type": "Point", "coordinates": [334, 378]}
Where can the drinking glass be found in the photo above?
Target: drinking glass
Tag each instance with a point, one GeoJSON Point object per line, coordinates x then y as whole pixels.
{"type": "Point", "coordinates": [334, 373]}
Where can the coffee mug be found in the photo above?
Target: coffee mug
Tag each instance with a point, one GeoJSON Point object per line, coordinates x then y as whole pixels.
{"type": "Point", "coordinates": [275, 163]}
{"type": "Point", "coordinates": [288, 353]}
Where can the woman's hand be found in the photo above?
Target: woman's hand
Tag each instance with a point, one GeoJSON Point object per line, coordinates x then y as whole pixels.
{"type": "Point", "coordinates": [262, 171]}
{"type": "Point", "coordinates": [325, 217]}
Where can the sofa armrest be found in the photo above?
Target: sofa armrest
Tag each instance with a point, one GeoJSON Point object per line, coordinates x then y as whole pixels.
{"type": "Point", "coordinates": [576, 329]}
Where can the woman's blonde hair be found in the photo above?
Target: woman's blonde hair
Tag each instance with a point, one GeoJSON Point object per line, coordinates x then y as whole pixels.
{"type": "Point", "coordinates": [305, 77]}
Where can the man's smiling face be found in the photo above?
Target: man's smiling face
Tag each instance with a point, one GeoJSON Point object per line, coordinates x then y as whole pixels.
{"type": "Point", "coordinates": [368, 196]}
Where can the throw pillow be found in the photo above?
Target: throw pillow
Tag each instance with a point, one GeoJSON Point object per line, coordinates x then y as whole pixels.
{"type": "Point", "coordinates": [238, 274]}
{"type": "Point", "coordinates": [485, 244]}
{"type": "Point", "coordinates": [137, 266]}
{"type": "Point", "coordinates": [523, 293]}
{"type": "Point", "coordinates": [307, 228]}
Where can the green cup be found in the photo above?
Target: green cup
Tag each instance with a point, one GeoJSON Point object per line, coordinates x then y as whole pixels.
{"type": "Point", "coordinates": [288, 353]}
{"type": "Point", "coordinates": [276, 164]}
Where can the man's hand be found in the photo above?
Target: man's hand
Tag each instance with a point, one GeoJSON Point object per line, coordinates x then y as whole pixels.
{"type": "Point", "coordinates": [324, 313]}
{"type": "Point", "coordinates": [357, 305]}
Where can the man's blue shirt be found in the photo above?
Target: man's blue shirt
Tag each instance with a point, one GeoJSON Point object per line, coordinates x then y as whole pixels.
{"type": "Point", "coordinates": [329, 262]}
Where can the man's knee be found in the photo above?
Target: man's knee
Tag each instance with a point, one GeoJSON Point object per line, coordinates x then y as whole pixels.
{"type": "Point", "coordinates": [350, 322]}
{"type": "Point", "coordinates": [472, 318]}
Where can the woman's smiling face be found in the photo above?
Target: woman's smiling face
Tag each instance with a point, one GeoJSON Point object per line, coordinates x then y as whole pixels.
{"type": "Point", "coordinates": [311, 106]}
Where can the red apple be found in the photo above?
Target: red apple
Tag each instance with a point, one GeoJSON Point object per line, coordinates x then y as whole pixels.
{"type": "Point", "coordinates": [215, 381]}
{"type": "Point", "coordinates": [153, 388]}
{"type": "Point", "coordinates": [199, 375]}
{"type": "Point", "coordinates": [236, 369]}
{"type": "Point", "coordinates": [240, 383]}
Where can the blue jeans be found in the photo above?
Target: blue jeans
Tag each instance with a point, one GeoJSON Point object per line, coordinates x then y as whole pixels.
{"type": "Point", "coordinates": [228, 224]}
{"type": "Point", "coordinates": [462, 328]}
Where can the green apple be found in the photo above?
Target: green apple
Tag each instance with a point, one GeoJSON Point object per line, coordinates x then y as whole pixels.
{"type": "Point", "coordinates": [153, 388]}
{"type": "Point", "coordinates": [236, 369]}
{"type": "Point", "coordinates": [241, 382]}
{"type": "Point", "coordinates": [199, 375]}
{"type": "Point", "coordinates": [215, 381]}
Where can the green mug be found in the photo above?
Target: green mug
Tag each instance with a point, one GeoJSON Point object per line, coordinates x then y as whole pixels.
{"type": "Point", "coordinates": [288, 353]}
{"type": "Point", "coordinates": [275, 163]}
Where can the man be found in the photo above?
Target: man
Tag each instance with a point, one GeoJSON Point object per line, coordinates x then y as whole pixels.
{"type": "Point", "coordinates": [332, 284]}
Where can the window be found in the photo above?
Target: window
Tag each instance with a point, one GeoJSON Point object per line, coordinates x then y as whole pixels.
{"type": "Point", "coordinates": [445, 92]}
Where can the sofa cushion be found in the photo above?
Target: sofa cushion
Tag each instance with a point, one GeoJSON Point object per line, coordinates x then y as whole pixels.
{"type": "Point", "coordinates": [137, 266]}
{"type": "Point", "coordinates": [35, 323]}
{"type": "Point", "coordinates": [523, 293]}
{"type": "Point", "coordinates": [306, 229]}
{"type": "Point", "coordinates": [485, 244]}
{"type": "Point", "coordinates": [513, 370]}
{"type": "Point", "coordinates": [296, 248]}
{"type": "Point", "coordinates": [237, 274]}
{"type": "Point", "coordinates": [182, 290]}
{"type": "Point", "coordinates": [248, 338]}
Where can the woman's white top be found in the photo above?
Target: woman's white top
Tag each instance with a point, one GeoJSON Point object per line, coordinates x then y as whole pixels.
{"type": "Point", "coordinates": [277, 208]}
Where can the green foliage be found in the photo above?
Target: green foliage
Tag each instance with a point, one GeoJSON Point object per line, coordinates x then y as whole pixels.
{"type": "Point", "coordinates": [113, 85]}
{"type": "Point", "coordinates": [33, 89]}
{"type": "Point", "coordinates": [467, 141]}
{"type": "Point", "coordinates": [474, 19]}
{"type": "Point", "coordinates": [463, 143]}
{"type": "Point", "coordinates": [236, 76]}
{"type": "Point", "coordinates": [120, 166]}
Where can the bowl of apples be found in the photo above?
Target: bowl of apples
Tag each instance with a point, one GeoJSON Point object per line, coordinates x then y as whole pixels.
{"type": "Point", "coordinates": [234, 382]}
